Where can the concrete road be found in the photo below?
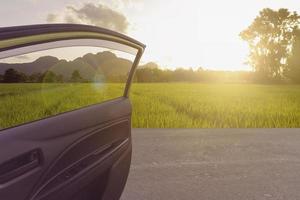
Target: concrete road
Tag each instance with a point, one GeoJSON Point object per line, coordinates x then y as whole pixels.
{"type": "Point", "coordinates": [209, 164]}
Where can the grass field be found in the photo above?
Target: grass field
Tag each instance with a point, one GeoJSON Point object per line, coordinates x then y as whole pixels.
{"type": "Point", "coordinates": [162, 105]}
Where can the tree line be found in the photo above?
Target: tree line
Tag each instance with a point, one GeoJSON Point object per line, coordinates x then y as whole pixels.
{"type": "Point", "coordinates": [142, 75]}
{"type": "Point", "coordinates": [14, 76]}
{"type": "Point", "coordinates": [191, 75]}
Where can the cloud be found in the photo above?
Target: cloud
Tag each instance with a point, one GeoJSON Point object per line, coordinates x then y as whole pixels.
{"type": "Point", "coordinates": [92, 14]}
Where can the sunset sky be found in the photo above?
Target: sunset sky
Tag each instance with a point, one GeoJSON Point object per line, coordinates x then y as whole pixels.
{"type": "Point", "coordinates": [190, 33]}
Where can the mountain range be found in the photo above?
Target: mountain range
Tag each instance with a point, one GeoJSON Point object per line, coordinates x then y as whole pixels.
{"type": "Point", "coordinates": [103, 63]}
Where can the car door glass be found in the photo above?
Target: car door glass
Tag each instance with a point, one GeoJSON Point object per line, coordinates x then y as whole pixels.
{"type": "Point", "coordinates": [48, 82]}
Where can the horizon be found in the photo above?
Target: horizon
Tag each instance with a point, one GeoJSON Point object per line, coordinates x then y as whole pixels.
{"type": "Point", "coordinates": [78, 52]}
{"type": "Point", "coordinates": [209, 40]}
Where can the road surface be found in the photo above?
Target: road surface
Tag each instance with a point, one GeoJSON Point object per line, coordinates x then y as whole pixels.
{"type": "Point", "coordinates": [209, 164]}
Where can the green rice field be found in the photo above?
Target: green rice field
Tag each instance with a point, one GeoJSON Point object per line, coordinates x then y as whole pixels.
{"type": "Point", "coordinates": [161, 105]}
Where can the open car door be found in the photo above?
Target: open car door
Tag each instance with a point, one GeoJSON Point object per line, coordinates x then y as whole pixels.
{"type": "Point", "coordinates": [65, 116]}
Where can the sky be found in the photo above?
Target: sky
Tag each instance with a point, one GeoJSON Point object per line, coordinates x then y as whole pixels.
{"type": "Point", "coordinates": [187, 34]}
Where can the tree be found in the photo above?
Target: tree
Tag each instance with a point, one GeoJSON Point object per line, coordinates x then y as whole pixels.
{"type": "Point", "coordinates": [270, 37]}
{"type": "Point", "coordinates": [49, 77]}
{"type": "Point", "coordinates": [13, 76]}
{"type": "Point", "coordinates": [293, 62]}
{"type": "Point", "coordinates": [36, 78]}
{"type": "Point", "coordinates": [76, 77]}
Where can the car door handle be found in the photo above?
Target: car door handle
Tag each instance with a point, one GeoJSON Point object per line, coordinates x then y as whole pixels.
{"type": "Point", "coordinates": [19, 166]}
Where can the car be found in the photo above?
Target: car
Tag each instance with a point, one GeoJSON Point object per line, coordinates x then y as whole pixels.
{"type": "Point", "coordinates": [73, 144]}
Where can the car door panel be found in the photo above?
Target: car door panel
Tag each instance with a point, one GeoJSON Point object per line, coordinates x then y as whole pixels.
{"type": "Point", "coordinates": [81, 154]}
{"type": "Point", "coordinates": [104, 135]}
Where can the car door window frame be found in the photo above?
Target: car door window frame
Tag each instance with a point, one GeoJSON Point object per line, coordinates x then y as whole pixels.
{"type": "Point", "coordinates": [24, 36]}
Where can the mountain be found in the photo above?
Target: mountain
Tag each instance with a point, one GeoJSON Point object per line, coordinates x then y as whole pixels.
{"type": "Point", "coordinates": [66, 68]}
{"type": "Point", "coordinates": [96, 60]}
{"type": "Point", "coordinates": [40, 65]}
{"type": "Point", "coordinates": [105, 63]}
